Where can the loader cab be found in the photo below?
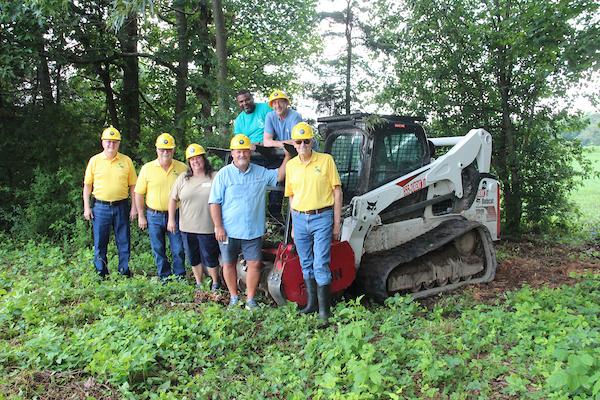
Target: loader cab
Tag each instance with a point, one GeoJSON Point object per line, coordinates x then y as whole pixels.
{"type": "Point", "coordinates": [372, 150]}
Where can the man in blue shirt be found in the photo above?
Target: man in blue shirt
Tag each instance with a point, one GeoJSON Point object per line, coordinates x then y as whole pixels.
{"type": "Point", "coordinates": [237, 208]}
{"type": "Point", "coordinates": [251, 119]}
{"type": "Point", "coordinates": [280, 121]}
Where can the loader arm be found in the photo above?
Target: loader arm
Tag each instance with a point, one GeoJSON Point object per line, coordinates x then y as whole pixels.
{"type": "Point", "coordinates": [476, 147]}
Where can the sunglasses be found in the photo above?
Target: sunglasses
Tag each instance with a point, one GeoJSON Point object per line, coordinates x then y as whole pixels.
{"type": "Point", "coordinates": [305, 141]}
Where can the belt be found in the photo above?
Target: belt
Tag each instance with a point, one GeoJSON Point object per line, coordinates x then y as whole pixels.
{"type": "Point", "coordinates": [110, 203]}
{"type": "Point", "coordinates": [156, 211]}
{"type": "Point", "coordinates": [319, 211]}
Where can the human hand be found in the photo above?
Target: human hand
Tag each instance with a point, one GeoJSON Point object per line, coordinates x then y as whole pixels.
{"type": "Point", "coordinates": [171, 226]}
{"type": "Point", "coordinates": [132, 213]}
{"type": "Point", "coordinates": [142, 222]}
{"type": "Point", "coordinates": [337, 232]}
{"type": "Point", "coordinates": [88, 214]}
{"type": "Point", "coordinates": [220, 234]}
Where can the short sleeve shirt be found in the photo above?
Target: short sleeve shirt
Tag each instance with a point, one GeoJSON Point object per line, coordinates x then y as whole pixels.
{"type": "Point", "coordinates": [282, 129]}
{"type": "Point", "coordinates": [156, 183]}
{"type": "Point", "coordinates": [110, 179]}
{"type": "Point", "coordinates": [192, 194]}
{"type": "Point", "coordinates": [253, 124]}
{"type": "Point", "coordinates": [312, 183]}
{"type": "Point", "coordinates": [242, 199]}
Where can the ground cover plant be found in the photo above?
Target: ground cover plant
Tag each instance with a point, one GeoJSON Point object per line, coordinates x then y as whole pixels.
{"type": "Point", "coordinates": [65, 334]}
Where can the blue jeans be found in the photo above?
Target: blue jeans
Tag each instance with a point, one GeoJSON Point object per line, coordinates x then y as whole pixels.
{"type": "Point", "coordinates": [157, 229]}
{"type": "Point", "coordinates": [106, 218]}
{"type": "Point", "coordinates": [312, 236]}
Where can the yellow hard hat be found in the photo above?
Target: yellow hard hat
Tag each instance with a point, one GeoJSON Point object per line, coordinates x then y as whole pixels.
{"type": "Point", "coordinates": [278, 94]}
{"type": "Point", "coordinates": [165, 141]}
{"type": "Point", "coordinates": [194, 150]}
{"type": "Point", "coordinates": [240, 142]}
{"type": "Point", "coordinates": [302, 130]}
{"type": "Point", "coordinates": [111, 133]}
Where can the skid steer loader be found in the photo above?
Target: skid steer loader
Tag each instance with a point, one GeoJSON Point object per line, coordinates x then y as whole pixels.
{"type": "Point", "coordinates": [412, 222]}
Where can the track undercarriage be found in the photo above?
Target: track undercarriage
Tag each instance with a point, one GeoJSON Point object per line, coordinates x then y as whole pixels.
{"type": "Point", "coordinates": [456, 253]}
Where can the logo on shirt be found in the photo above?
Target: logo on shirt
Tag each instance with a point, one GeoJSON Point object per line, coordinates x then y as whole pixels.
{"type": "Point", "coordinates": [317, 169]}
{"type": "Point", "coordinates": [121, 165]}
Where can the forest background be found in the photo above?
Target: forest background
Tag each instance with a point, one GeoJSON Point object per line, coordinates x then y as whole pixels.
{"type": "Point", "coordinates": [70, 68]}
{"type": "Point", "coordinates": [514, 67]}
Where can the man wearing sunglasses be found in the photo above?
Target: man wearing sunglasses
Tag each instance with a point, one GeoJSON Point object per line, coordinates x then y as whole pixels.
{"type": "Point", "coordinates": [314, 189]}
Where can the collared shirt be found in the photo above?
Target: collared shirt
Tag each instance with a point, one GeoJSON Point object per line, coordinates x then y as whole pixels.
{"type": "Point", "coordinates": [110, 179]}
{"type": "Point", "coordinates": [282, 129]}
{"type": "Point", "coordinates": [242, 199]}
{"type": "Point", "coordinates": [312, 183]}
{"type": "Point", "coordinates": [253, 124]}
{"type": "Point", "coordinates": [156, 183]}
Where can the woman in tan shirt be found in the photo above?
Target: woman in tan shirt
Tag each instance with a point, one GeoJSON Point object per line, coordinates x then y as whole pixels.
{"type": "Point", "coordinates": [191, 191]}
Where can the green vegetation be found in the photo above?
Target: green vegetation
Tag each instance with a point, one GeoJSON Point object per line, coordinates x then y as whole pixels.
{"type": "Point", "coordinates": [587, 197]}
{"type": "Point", "coordinates": [588, 135]}
{"type": "Point", "coordinates": [145, 340]}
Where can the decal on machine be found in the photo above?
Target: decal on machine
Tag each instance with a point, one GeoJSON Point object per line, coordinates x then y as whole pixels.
{"type": "Point", "coordinates": [412, 187]}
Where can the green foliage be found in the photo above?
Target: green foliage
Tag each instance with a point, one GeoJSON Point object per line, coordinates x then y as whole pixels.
{"type": "Point", "coordinates": [500, 66]}
{"type": "Point", "coordinates": [149, 340]}
{"type": "Point", "coordinates": [588, 135]}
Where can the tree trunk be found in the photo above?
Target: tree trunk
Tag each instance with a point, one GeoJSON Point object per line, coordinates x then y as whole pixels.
{"type": "Point", "coordinates": [130, 99]}
{"type": "Point", "coordinates": [201, 89]}
{"type": "Point", "coordinates": [43, 73]}
{"type": "Point", "coordinates": [111, 105]}
{"type": "Point", "coordinates": [508, 158]}
{"type": "Point", "coordinates": [221, 45]}
{"type": "Point", "coordinates": [348, 54]}
{"type": "Point", "coordinates": [181, 82]}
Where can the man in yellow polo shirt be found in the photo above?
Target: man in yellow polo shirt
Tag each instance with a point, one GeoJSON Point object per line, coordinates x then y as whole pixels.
{"type": "Point", "coordinates": [155, 182]}
{"type": "Point", "coordinates": [110, 177]}
{"type": "Point", "coordinates": [313, 185]}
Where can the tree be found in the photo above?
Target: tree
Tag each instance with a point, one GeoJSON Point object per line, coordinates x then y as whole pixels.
{"type": "Point", "coordinates": [349, 67]}
{"type": "Point", "coordinates": [496, 65]}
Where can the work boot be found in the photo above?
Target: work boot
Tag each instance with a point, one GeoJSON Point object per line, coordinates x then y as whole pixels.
{"type": "Point", "coordinates": [311, 293]}
{"type": "Point", "coordinates": [324, 304]}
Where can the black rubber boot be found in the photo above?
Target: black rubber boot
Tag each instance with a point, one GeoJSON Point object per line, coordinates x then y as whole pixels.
{"type": "Point", "coordinates": [311, 292]}
{"type": "Point", "coordinates": [324, 304]}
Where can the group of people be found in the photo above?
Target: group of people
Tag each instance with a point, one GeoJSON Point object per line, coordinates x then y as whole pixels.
{"type": "Point", "coordinates": [213, 217]}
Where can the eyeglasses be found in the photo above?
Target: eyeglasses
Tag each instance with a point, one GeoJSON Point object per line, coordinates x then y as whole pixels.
{"type": "Point", "coordinates": [305, 141]}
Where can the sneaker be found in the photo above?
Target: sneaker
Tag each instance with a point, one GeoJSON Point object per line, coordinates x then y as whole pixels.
{"type": "Point", "coordinates": [233, 301]}
{"type": "Point", "coordinates": [251, 304]}
{"type": "Point", "coordinates": [198, 286]}
{"type": "Point", "coordinates": [215, 286]}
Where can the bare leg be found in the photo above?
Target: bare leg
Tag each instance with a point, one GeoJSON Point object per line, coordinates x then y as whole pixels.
{"type": "Point", "coordinates": [214, 274]}
{"type": "Point", "coordinates": [230, 275]}
{"type": "Point", "coordinates": [197, 271]}
{"type": "Point", "coordinates": [252, 277]}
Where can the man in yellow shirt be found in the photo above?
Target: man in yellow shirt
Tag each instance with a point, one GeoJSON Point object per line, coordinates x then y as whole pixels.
{"type": "Point", "coordinates": [155, 182]}
{"type": "Point", "coordinates": [313, 185]}
{"type": "Point", "coordinates": [110, 177]}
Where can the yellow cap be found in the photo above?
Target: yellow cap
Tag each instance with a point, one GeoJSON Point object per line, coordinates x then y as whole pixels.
{"type": "Point", "coordinates": [111, 133]}
{"type": "Point", "coordinates": [302, 130]}
{"type": "Point", "coordinates": [278, 94]}
{"type": "Point", "coordinates": [165, 141]}
{"type": "Point", "coordinates": [240, 142]}
{"type": "Point", "coordinates": [194, 150]}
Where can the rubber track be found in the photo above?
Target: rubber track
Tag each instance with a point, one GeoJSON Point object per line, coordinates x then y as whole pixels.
{"type": "Point", "coordinates": [375, 268]}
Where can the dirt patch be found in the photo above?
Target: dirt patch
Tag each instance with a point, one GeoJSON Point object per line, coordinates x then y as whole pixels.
{"type": "Point", "coordinates": [538, 264]}
{"type": "Point", "coordinates": [48, 385]}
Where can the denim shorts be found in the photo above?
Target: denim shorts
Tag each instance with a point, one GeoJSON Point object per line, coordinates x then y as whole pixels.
{"type": "Point", "coordinates": [251, 249]}
{"type": "Point", "coordinates": [201, 249]}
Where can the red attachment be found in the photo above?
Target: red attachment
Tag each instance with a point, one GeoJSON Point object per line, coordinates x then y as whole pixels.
{"type": "Point", "coordinates": [342, 270]}
{"type": "Point", "coordinates": [399, 125]}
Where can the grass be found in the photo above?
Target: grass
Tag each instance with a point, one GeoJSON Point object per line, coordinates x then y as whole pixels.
{"type": "Point", "coordinates": [587, 197]}
{"type": "Point", "coordinates": [63, 332]}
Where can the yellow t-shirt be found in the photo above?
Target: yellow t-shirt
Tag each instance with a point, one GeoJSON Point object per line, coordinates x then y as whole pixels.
{"type": "Point", "coordinates": [156, 183]}
{"type": "Point", "coordinates": [110, 179]}
{"type": "Point", "coordinates": [312, 183]}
